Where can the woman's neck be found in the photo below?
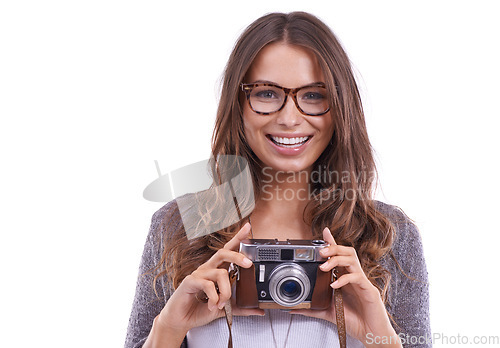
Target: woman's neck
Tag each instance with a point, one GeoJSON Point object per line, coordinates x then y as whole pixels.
{"type": "Point", "coordinates": [280, 208]}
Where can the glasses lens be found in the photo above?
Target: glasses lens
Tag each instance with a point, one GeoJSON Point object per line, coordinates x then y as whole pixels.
{"type": "Point", "coordinates": [313, 100]}
{"type": "Point", "coordinates": [266, 98]}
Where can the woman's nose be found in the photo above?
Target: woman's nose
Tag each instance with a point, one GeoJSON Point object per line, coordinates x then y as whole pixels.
{"type": "Point", "coordinates": [289, 116]}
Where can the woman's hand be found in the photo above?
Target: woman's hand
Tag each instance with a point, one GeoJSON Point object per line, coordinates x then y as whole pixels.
{"type": "Point", "coordinates": [364, 311]}
{"type": "Point", "coordinates": [185, 309]}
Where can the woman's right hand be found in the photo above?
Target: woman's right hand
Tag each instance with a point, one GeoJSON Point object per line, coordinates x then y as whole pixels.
{"type": "Point", "coordinates": [184, 310]}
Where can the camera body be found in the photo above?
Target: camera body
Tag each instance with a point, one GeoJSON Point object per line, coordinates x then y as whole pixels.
{"type": "Point", "coordinates": [284, 274]}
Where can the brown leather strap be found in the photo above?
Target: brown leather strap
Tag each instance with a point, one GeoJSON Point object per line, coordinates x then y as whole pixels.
{"type": "Point", "coordinates": [339, 311]}
{"type": "Point", "coordinates": [228, 309]}
{"type": "Point", "coordinates": [229, 320]}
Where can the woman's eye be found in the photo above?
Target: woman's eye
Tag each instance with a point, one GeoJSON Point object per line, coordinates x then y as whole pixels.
{"type": "Point", "coordinates": [313, 96]}
{"type": "Point", "coordinates": [266, 94]}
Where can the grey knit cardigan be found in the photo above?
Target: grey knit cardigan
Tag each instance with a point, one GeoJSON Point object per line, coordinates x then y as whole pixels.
{"type": "Point", "coordinates": [408, 298]}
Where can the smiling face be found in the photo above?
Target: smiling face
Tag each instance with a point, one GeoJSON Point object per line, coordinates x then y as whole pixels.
{"type": "Point", "coordinates": [286, 140]}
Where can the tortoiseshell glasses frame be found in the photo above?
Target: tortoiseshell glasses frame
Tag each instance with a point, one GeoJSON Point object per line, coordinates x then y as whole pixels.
{"type": "Point", "coordinates": [318, 101]}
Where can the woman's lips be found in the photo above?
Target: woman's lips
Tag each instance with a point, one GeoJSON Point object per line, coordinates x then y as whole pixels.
{"type": "Point", "coordinates": [289, 146]}
{"type": "Point", "coordinates": [289, 141]}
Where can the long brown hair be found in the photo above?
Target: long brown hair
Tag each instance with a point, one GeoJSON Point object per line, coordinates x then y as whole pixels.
{"type": "Point", "coordinates": [342, 201]}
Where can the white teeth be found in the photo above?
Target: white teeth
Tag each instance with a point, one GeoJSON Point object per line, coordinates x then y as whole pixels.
{"type": "Point", "coordinates": [289, 141]}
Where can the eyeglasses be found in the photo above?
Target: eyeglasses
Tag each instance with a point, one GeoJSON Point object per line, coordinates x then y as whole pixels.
{"type": "Point", "coordinates": [268, 98]}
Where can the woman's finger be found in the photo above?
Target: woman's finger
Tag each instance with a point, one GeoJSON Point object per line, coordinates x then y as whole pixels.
{"type": "Point", "coordinates": [328, 237]}
{"type": "Point", "coordinates": [224, 287]}
{"type": "Point", "coordinates": [350, 263]}
{"type": "Point", "coordinates": [361, 285]}
{"type": "Point", "coordinates": [220, 277]}
{"type": "Point", "coordinates": [333, 248]}
{"type": "Point", "coordinates": [243, 233]}
{"type": "Point", "coordinates": [226, 256]}
{"type": "Point", "coordinates": [196, 284]}
{"type": "Point", "coordinates": [348, 278]}
{"type": "Point", "coordinates": [228, 253]}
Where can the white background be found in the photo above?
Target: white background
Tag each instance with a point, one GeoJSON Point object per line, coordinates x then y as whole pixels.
{"type": "Point", "coordinates": [92, 92]}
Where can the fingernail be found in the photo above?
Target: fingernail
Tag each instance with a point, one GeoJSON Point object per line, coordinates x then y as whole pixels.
{"type": "Point", "coordinates": [221, 305]}
{"type": "Point", "coordinates": [334, 284]}
{"type": "Point", "coordinates": [323, 251]}
{"type": "Point", "coordinates": [322, 266]}
{"type": "Point", "coordinates": [246, 262]}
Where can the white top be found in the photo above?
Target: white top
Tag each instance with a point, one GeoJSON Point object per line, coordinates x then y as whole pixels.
{"type": "Point", "coordinates": [255, 331]}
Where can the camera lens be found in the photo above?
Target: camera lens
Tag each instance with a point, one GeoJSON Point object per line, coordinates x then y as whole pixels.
{"type": "Point", "coordinates": [290, 289]}
{"type": "Point", "coordinates": [289, 285]}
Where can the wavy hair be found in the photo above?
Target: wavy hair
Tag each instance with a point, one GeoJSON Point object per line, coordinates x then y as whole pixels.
{"type": "Point", "coordinates": [342, 201]}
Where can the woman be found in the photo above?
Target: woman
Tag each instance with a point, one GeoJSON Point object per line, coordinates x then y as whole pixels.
{"type": "Point", "coordinates": [290, 107]}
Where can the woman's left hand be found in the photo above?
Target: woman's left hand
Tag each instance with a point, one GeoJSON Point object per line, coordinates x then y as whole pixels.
{"type": "Point", "coordinates": [365, 314]}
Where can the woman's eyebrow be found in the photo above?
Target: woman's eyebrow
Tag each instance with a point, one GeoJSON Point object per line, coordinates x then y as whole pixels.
{"type": "Point", "coordinates": [265, 81]}
{"type": "Point", "coordinates": [275, 83]}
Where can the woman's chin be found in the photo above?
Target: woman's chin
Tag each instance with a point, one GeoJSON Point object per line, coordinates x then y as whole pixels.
{"type": "Point", "coordinates": [286, 167]}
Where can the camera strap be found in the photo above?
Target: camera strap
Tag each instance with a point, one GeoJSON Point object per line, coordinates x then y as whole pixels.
{"type": "Point", "coordinates": [228, 309]}
{"type": "Point", "coordinates": [339, 311]}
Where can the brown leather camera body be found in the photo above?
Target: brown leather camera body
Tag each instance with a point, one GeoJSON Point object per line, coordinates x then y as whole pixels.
{"type": "Point", "coordinates": [247, 295]}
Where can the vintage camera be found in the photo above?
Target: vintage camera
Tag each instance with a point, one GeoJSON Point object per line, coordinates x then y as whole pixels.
{"type": "Point", "coordinates": [284, 274]}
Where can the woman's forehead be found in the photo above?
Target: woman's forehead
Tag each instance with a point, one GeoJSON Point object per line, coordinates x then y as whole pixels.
{"type": "Point", "coordinates": [285, 64]}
